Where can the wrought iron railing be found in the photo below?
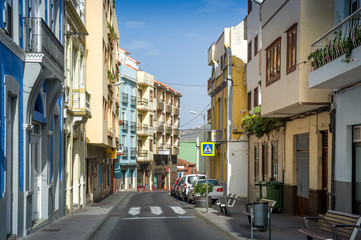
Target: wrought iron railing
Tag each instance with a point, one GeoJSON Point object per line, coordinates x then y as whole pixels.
{"type": "Point", "coordinates": [142, 102]}
{"type": "Point", "coordinates": [133, 100]}
{"type": "Point", "coordinates": [124, 97]}
{"type": "Point", "coordinates": [338, 41]}
{"type": "Point", "coordinates": [133, 152]}
{"type": "Point", "coordinates": [40, 39]}
{"type": "Point", "coordinates": [125, 125]}
{"type": "Point", "coordinates": [125, 151]}
{"type": "Point", "coordinates": [133, 126]}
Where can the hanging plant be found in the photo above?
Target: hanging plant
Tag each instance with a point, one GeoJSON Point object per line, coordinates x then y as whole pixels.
{"type": "Point", "coordinates": [253, 123]}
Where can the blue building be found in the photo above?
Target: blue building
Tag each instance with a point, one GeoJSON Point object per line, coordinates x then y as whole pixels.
{"type": "Point", "coordinates": [32, 73]}
{"type": "Point", "coordinates": [126, 167]}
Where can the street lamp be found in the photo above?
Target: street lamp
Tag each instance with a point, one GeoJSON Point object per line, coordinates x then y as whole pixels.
{"type": "Point", "coordinates": [204, 158]}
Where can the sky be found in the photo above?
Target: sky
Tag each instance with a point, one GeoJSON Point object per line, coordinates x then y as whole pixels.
{"type": "Point", "coordinates": [170, 39]}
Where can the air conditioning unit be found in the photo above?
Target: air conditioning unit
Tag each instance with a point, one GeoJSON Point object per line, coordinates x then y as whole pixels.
{"type": "Point", "coordinates": [357, 133]}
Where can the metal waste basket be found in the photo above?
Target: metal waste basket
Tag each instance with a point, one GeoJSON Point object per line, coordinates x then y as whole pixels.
{"type": "Point", "coordinates": [260, 214]}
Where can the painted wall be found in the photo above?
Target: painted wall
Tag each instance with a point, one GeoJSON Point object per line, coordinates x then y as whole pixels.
{"type": "Point", "coordinates": [347, 115]}
{"type": "Point", "coordinates": [310, 18]}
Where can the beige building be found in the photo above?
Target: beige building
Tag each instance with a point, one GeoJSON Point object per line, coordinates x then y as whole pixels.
{"type": "Point", "coordinates": [77, 105]}
{"type": "Point", "coordinates": [101, 75]}
{"type": "Point", "coordinates": [145, 128]}
{"type": "Point", "coordinates": [288, 29]}
{"type": "Point", "coordinates": [167, 121]}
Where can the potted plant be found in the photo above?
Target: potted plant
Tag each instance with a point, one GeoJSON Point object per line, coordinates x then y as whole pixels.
{"type": "Point", "coordinates": [200, 194]}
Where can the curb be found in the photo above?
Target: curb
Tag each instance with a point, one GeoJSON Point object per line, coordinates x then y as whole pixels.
{"type": "Point", "coordinates": [102, 221]}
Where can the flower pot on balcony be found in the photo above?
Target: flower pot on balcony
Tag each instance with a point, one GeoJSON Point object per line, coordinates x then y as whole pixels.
{"type": "Point", "coordinates": [201, 202]}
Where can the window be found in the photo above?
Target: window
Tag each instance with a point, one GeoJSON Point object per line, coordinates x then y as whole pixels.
{"type": "Point", "coordinates": [255, 45]}
{"type": "Point", "coordinates": [151, 120]}
{"type": "Point", "coordinates": [264, 161]}
{"type": "Point", "coordinates": [151, 95]}
{"type": "Point", "coordinates": [7, 18]}
{"type": "Point", "coordinates": [273, 62]}
{"type": "Point", "coordinates": [291, 48]}
{"type": "Point", "coordinates": [151, 145]}
{"type": "Point", "coordinates": [256, 162]}
{"type": "Point", "coordinates": [255, 97]}
{"type": "Point", "coordinates": [274, 160]}
{"type": "Point", "coordinates": [249, 101]}
{"type": "Point", "coordinates": [249, 51]}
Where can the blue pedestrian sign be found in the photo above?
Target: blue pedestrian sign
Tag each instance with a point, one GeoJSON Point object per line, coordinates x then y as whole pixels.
{"type": "Point", "coordinates": [207, 149]}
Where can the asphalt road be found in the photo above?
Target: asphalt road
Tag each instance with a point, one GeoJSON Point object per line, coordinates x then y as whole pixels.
{"type": "Point", "coordinates": [155, 215]}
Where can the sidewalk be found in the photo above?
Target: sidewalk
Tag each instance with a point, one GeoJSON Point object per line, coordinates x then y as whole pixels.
{"type": "Point", "coordinates": [283, 227]}
{"type": "Point", "coordinates": [81, 224]}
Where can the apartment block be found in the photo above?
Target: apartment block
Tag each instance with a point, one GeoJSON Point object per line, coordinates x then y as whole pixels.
{"type": "Point", "coordinates": [167, 120]}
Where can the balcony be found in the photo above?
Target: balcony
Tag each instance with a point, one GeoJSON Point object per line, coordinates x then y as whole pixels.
{"type": "Point", "coordinates": [176, 111]}
{"type": "Point", "coordinates": [167, 146]}
{"type": "Point", "coordinates": [125, 98]}
{"type": "Point", "coordinates": [110, 88]}
{"type": "Point", "coordinates": [133, 152]}
{"type": "Point", "coordinates": [133, 100]}
{"type": "Point", "coordinates": [125, 152]}
{"type": "Point", "coordinates": [125, 125]}
{"type": "Point", "coordinates": [160, 105]}
{"type": "Point", "coordinates": [145, 156]}
{"type": "Point", "coordinates": [142, 104]}
{"type": "Point", "coordinates": [168, 128]}
{"type": "Point", "coordinates": [110, 134]}
{"type": "Point", "coordinates": [216, 136]}
{"type": "Point", "coordinates": [209, 85]}
{"type": "Point", "coordinates": [80, 102]}
{"type": "Point", "coordinates": [168, 108]}
{"type": "Point", "coordinates": [175, 151]}
{"type": "Point", "coordinates": [175, 131]}
{"type": "Point", "coordinates": [160, 126]}
{"type": "Point", "coordinates": [209, 116]}
{"type": "Point", "coordinates": [40, 39]}
{"type": "Point", "coordinates": [330, 67]}
{"type": "Point", "coordinates": [133, 127]}
{"type": "Point", "coordinates": [143, 129]}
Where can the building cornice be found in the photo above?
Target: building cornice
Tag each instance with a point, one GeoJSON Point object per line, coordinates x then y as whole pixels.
{"type": "Point", "coordinates": [11, 45]}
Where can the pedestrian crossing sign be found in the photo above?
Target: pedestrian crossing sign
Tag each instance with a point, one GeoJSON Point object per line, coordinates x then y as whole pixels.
{"type": "Point", "coordinates": [207, 149]}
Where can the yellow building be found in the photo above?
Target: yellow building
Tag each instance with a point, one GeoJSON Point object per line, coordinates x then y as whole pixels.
{"type": "Point", "coordinates": [228, 91]}
{"type": "Point", "coordinates": [167, 140]}
{"type": "Point", "coordinates": [77, 105]}
{"type": "Point", "coordinates": [101, 75]}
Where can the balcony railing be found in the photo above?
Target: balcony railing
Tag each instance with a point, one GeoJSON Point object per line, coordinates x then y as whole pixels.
{"type": "Point", "coordinates": [216, 136]}
{"type": "Point", "coordinates": [133, 100]}
{"type": "Point", "coordinates": [175, 131]}
{"type": "Point", "coordinates": [168, 108]}
{"type": "Point", "coordinates": [125, 98]}
{"type": "Point", "coordinates": [143, 102]}
{"type": "Point", "coordinates": [125, 125]}
{"type": "Point", "coordinates": [143, 128]}
{"type": "Point", "coordinates": [209, 116]}
{"type": "Point", "coordinates": [133, 152]}
{"type": "Point", "coordinates": [133, 126]}
{"type": "Point", "coordinates": [176, 111]}
{"type": "Point", "coordinates": [160, 105]}
{"type": "Point", "coordinates": [142, 153]}
{"type": "Point", "coordinates": [81, 99]}
{"type": "Point", "coordinates": [40, 39]}
{"type": "Point", "coordinates": [168, 129]}
{"type": "Point", "coordinates": [338, 41]}
{"type": "Point", "coordinates": [160, 145]}
{"type": "Point", "coordinates": [125, 151]}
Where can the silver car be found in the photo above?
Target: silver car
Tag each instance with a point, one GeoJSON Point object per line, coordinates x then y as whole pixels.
{"type": "Point", "coordinates": [217, 190]}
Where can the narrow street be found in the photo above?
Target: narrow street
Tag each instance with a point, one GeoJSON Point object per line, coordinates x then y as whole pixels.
{"type": "Point", "coordinates": [155, 215]}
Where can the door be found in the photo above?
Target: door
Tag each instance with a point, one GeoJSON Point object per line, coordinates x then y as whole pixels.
{"type": "Point", "coordinates": [302, 148]}
{"type": "Point", "coordinates": [356, 179]}
{"type": "Point", "coordinates": [36, 170]}
{"type": "Point", "coordinates": [9, 165]}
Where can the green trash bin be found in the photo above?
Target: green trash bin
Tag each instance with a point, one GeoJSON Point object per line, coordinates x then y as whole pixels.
{"type": "Point", "coordinates": [273, 190]}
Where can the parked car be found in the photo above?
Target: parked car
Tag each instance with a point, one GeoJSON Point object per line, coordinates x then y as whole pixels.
{"type": "Point", "coordinates": [187, 182]}
{"type": "Point", "coordinates": [172, 189]}
{"type": "Point", "coordinates": [216, 192]}
{"type": "Point", "coordinates": [177, 187]}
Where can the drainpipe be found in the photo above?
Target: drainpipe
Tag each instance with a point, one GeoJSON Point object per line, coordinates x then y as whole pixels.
{"type": "Point", "coordinates": [229, 111]}
{"type": "Point", "coordinates": [333, 127]}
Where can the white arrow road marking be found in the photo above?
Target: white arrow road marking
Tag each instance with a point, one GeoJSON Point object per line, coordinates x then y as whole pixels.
{"type": "Point", "coordinates": [178, 210]}
{"type": "Point", "coordinates": [156, 210]}
{"type": "Point", "coordinates": [134, 211]}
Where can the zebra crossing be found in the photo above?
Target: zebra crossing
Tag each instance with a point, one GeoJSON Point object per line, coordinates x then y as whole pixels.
{"type": "Point", "coordinates": [156, 211]}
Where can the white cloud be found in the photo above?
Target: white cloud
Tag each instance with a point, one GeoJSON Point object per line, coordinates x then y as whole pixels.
{"type": "Point", "coordinates": [134, 24]}
{"type": "Point", "coordinates": [216, 5]}
{"type": "Point", "coordinates": [146, 46]}
{"type": "Point", "coordinates": [194, 36]}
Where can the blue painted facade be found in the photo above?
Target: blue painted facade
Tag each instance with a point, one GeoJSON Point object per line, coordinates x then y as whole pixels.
{"type": "Point", "coordinates": [125, 168]}
{"type": "Point", "coordinates": [31, 115]}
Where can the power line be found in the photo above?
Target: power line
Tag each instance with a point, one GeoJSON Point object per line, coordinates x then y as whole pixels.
{"type": "Point", "coordinates": [195, 116]}
{"type": "Point", "coordinates": [186, 85]}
